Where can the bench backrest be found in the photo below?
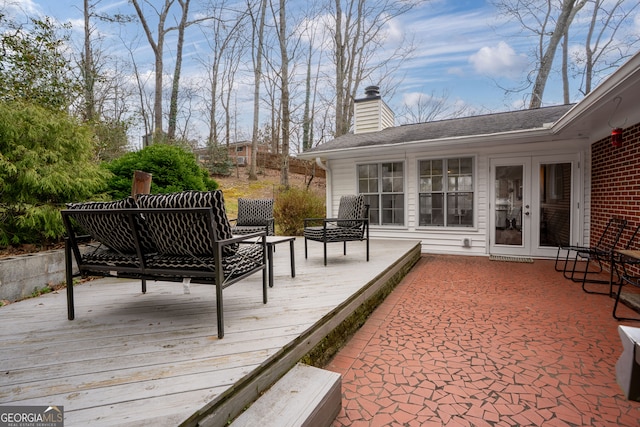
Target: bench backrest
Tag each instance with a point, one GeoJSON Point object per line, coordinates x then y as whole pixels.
{"type": "Point", "coordinates": [187, 233]}
{"type": "Point", "coordinates": [110, 224]}
{"type": "Point", "coordinates": [186, 223]}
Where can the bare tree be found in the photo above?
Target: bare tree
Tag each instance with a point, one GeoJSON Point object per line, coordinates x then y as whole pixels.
{"type": "Point", "coordinates": [175, 86]}
{"type": "Point", "coordinates": [549, 20]}
{"type": "Point", "coordinates": [222, 33]}
{"type": "Point", "coordinates": [428, 107]}
{"type": "Point", "coordinates": [604, 46]}
{"type": "Point", "coordinates": [358, 31]}
{"type": "Point", "coordinates": [258, 25]}
{"type": "Point", "coordinates": [158, 50]}
{"type": "Point", "coordinates": [284, 93]}
{"type": "Point", "coordinates": [87, 66]}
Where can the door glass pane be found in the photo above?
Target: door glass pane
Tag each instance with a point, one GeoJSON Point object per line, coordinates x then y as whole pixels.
{"type": "Point", "coordinates": [555, 204]}
{"type": "Point", "coordinates": [508, 203]}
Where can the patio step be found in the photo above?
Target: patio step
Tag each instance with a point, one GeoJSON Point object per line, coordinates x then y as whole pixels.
{"type": "Point", "coordinates": [304, 396]}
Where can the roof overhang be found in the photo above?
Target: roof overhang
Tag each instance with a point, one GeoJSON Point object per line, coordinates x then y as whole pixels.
{"type": "Point", "coordinates": [493, 139]}
{"type": "Point", "coordinates": [612, 104]}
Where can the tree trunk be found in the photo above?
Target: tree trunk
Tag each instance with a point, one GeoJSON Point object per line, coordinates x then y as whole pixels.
{"type": "Point", "coordinates": [306, 120]}
{"type": "Point", "coordinates": [158, 51]}
{"type": "Point", "coordinates": [565, 68]}
{"type": "Point", "coordinates": [175, 87]}
{"type": "Point", "coordinates": [257, 78]}
{"type": "Point", "coordinates": [340, 72]}
{"type": "Point", "coordinates": [284, 69]}
{"type": "Point", "coordinates": [87, 67]}
{"type": "Point", "coordinates": [568, 12]}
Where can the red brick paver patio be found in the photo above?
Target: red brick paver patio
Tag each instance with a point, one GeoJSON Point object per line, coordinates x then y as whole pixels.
{"type": "Point", "coordinates": [465, 341]}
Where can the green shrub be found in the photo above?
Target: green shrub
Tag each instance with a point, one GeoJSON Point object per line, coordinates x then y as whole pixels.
{"type": "Point", "coordinates": [173, 168]}
{"type": "Point", "coordinates": [46, 160]}
{"type": "Point", "coordinates": [292, 206]}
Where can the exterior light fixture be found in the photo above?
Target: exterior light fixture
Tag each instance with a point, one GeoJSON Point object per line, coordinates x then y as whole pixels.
{"type": "Point", "coordinates": [616, 137]}
{"type": "Point", "coordinates": [616, 132]}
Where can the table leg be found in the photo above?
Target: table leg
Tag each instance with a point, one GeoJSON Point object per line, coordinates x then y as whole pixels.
{"type": "Point", "coordinates": [293, 259]}
{"type": "Point", "coordinates": [270, 261]}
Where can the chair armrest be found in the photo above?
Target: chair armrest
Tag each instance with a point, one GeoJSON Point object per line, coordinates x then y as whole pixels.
{"type": "Point", "coordinates": [312, 220]}
{"type": "Point", "coordinates": [243, 238]}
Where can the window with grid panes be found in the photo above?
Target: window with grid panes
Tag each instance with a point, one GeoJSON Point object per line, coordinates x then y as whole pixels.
{"type": "Point", "coordinates": [383, 187]}
{"type": "Point", "coordinates": [446, 192]}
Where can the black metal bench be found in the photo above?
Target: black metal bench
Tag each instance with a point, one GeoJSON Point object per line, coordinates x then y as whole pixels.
{"type": "Point", "coordinates": [177, 237]}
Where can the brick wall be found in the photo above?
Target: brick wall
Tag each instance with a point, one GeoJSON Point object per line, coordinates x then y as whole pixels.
{"type": "Point", "coordinates": [615, 184]}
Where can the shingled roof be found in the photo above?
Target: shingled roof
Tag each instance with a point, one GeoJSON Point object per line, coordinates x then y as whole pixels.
{"type": "Point", "coordinates": [487, 124]}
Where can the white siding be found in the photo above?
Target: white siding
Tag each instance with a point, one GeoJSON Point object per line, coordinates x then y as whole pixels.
{"type": "Point", "coordinates": [445, 240]}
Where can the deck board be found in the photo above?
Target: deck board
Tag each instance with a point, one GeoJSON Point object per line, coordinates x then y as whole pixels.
{"type": "Point", "coordinates": [133, 359]}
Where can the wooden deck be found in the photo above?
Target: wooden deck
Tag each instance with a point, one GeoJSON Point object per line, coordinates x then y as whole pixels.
{"type": "Point", "coordinates": [133, 359]}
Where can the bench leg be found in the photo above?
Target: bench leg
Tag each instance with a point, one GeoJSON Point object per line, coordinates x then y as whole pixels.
{"type": "Point", "coordinates": [68, 263]}
{"type": "Point", "coordinates": [219, 313]}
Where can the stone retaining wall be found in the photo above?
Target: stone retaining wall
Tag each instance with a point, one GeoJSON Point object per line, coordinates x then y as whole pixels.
{"type": "Point", "coordinates": [21, 275]}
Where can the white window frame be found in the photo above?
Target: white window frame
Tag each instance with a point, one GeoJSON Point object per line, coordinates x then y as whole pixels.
{"type": "Point", "coordinates": [446, 192]}
{"type": "Point", "coordinates": [379, 194]}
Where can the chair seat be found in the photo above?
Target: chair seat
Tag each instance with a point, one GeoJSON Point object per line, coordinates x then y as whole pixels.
{"type": "Point", "coordinates": [111, 258]}
{"type": "Point", "coordinates": [246, 259]}
{"type": "Point", "coordinates": [334, 233]}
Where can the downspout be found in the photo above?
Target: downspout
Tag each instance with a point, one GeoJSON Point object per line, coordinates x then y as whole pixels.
{"type": "Point", "coordinates": [328, 187]}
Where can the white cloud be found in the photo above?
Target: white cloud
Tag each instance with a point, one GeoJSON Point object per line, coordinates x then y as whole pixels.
{"type": "Point", "coordinates": [455, 71]}
{"type": "Point", "coordinates": [499, 61]}
{"type": "Point", "coordinates": [19, 8]}
{"type": "Point", "coordinates": [412, 99]}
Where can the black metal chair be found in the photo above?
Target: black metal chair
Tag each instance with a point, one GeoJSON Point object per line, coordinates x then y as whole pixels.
{"type": "Point", "coordinates": [254, 215]}
{"type": "Point", "coordinates": [599, 254]}
{"type": "Point", "coordinates": [352, 224]}
{"type": "Point", "coordinates": [627, 268]}
{"type": "Point", "coordinates": [572, 248]}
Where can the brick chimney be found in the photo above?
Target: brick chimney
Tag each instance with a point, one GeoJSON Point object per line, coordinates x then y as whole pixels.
{"type": "Point", "coordinates": [371, 113]}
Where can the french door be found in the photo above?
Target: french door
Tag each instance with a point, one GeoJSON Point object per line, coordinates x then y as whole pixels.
{"type": "Point", "coordinates": [531, 201]}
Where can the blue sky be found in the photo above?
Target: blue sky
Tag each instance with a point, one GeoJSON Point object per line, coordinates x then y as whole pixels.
{"type": "Point", "coordinates": [465, 50]}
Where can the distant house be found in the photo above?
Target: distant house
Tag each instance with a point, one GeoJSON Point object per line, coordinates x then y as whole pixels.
{"type": "Point", "coordinates": [514, 183]}
{"type": "Point", "coordinates": [240, 152]}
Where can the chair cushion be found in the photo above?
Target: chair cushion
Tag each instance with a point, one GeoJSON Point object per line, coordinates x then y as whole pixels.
{"type": "Point", "coordinates": [351, 207]}
{"type": "Point", "coordinates": [187, 233]}
{"type": "Point", "coordinates": [334, 233]}
{"type": "Point", "coordinates": [245, 259]}
{"type": "Point", "coordinates": [254, 211]}
{"type": "Point", "coordinates": [111, 258]}
{"type": "Point", "coordinates": [114, 230]}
